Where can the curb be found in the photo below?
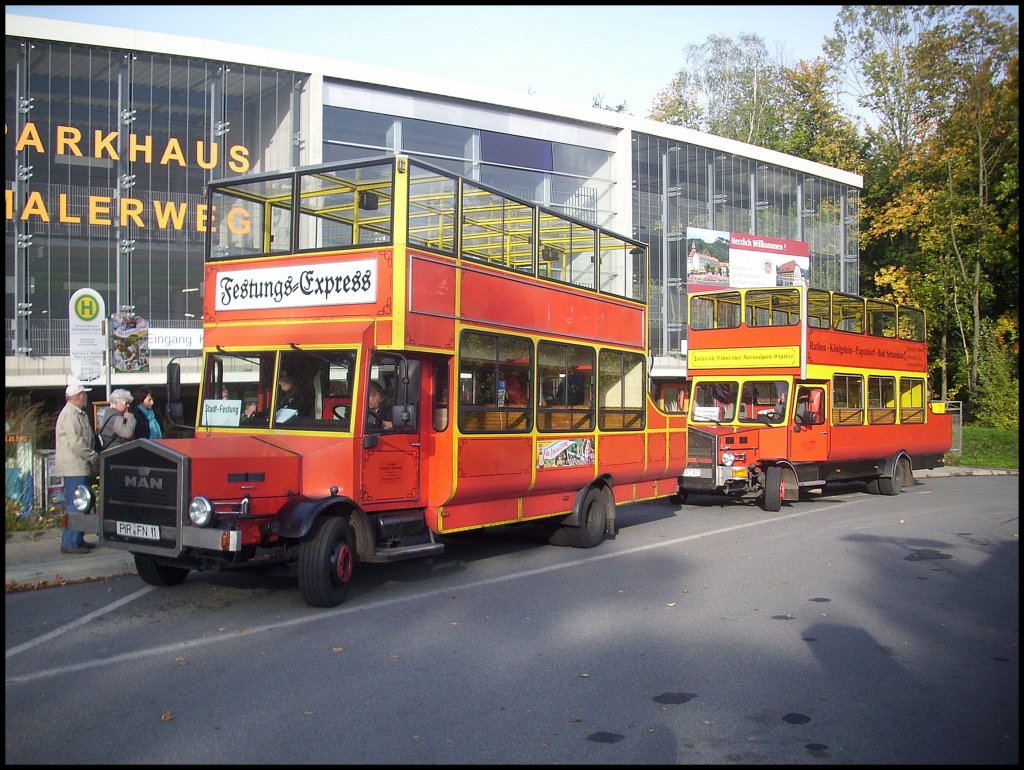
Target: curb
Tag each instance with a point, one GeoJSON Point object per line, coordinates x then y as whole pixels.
{"type": "Point", "coordinates": [32, 559]}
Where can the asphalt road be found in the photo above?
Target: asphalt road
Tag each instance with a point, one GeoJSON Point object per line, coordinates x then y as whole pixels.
{"type": "Point", "coordinates": [847, 628]}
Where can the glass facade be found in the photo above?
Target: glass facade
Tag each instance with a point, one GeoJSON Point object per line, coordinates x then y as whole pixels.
{"type": "Point", "coordinates": [570, 178]}
{"type": "Point", "coordinates": [678, 186]}
{"type": "Point", "coordinates": [108, 151]}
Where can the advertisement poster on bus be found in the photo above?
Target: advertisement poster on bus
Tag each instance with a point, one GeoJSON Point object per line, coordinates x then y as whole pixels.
{"type": "Point", "coordinates": [718, 259]}
{"type": "Point", "coordinates": [129, 340]}
{"type": "Point", "coordinates": [564, 453]}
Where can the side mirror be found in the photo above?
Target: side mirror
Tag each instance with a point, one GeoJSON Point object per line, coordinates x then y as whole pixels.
{"type": "Point", "coordinates": [174, 381]}
{"type": "Point", "coordinates": [403, 416]}
{"type": "Point", "coordinates": [175, 412]}
{"type": "Point", "coordinates": [174, 409]}
{"type": "Point", "coordinates": [407, 389]}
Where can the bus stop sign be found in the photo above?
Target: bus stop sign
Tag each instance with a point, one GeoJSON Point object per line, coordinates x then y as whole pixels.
{"type": "Point", "coordinates": [86, 315]}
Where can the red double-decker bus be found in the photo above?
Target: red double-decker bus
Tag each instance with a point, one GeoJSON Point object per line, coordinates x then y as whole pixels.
{"type": "Point", "coordinates": [793, 387]}
{"type": "Point", "coordinates": [394, 353]}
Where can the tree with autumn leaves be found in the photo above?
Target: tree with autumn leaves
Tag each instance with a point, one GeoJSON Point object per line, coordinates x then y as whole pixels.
{"type": "Point", "coordinates": [937, 144]}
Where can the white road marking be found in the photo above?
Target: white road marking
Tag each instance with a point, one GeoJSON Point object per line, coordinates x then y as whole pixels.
{"type": "Point", "coordinates": [318, 615]}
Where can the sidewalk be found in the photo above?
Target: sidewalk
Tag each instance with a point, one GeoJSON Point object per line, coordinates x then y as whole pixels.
{"type": "Point", "coordinates": [33, 559]}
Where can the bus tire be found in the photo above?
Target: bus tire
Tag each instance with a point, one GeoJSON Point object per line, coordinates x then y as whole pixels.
{"type": "Point", "coordinates": [902, 476]}
{"type": "Point", "coordinates": [872, 487]}
{"type": "Point", "coordinates": [326, 563]}
{"type": "Point", "coordinates": [593, 520]}
{"type": "Point", "coordinates": [774, 489]}
{"type": "Point", "coordinates": [157, 574]}
{"type": "Point", "coordinates": [679, 498]}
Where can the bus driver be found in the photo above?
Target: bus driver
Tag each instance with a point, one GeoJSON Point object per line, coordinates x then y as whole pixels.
{"type": "Point", "coordinates": [375, 412]}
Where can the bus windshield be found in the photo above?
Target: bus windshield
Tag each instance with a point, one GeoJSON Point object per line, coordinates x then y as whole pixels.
{"type": "Point", "coordinates": [292, 389]}
{"type": "Point", "coordinates": [761, 401]}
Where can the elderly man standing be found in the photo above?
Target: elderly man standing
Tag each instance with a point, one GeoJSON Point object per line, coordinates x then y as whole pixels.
{"type": "Point", "coordinates": [76, 458]}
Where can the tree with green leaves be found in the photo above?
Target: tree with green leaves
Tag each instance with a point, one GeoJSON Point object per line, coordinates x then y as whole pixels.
{"type": "Point", "coordinates": [942, 187]}
{"type": "Point", "coordinates": [871, 55]}
{"type": "Point", "coordinates": [813, 123]}
{"type": "Point", "coordinates": [997, 399]}
{"type": "Point", "coordinates": [598, 103]}
{"type": "Point", "coordinates": [731, 88]}
{"type": "Point", "coordinates": [939, 155]}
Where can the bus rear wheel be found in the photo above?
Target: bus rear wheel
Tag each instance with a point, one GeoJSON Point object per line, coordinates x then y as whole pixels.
{"type": "Point", "coordinates": [902, 476]}
{"type": "Point", "coordinates": [326, 563]}
{"type": "Point", "coordinates": [157, 574]}
{"type": "Point", "coordinates": [774, 489]}
{"type": "Point", "coordinates": [593, 520]}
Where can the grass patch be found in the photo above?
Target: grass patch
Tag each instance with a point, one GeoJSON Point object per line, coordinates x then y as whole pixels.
{"type": "Point", "coordinates": [988, 448]}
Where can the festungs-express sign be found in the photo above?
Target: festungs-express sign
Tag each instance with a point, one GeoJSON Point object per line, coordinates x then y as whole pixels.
{"type": "Point", "coordinates": [330, 283]}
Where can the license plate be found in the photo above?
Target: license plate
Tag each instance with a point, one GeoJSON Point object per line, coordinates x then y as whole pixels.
{"type": "Point", "coordinates": [691, 471]}
{"type": "Point", "coordinates": [143, 531]}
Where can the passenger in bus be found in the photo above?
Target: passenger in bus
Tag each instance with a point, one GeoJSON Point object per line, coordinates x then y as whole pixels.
{"type": "Point", "coordinates": [516, 391]}
{"type": "Point", "coordinates": [249, 411]}
{"type": "Point", "coordinates": [293, 397]}
{"type": "Point", "coordinates": [376, 411]}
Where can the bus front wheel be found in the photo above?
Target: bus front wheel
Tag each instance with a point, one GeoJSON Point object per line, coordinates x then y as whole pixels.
{"type": "Point", "coordinates": [156, 574]}
{"type": "Point", "coordinates": [774, 489]}
{"type": "Point", "coordinates": [326, 563]}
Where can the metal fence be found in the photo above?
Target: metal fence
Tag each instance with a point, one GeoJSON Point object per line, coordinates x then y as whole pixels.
{"type": "Point", "coordinates": [955, 408]}
{"type": "Point", "coordinates": [50, 337]}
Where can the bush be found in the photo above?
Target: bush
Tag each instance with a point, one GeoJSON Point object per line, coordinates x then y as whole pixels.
{"type": "Point", "coordinates": [996, 400]}
{"type": "Point", "coordinates": [35, 520]}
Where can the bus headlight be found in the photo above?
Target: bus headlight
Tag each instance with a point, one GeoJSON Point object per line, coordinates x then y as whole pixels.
{"type": "Point", "coordinates": [728, 458]}
{"type": "Point", "coordinates": [82, 499]}
{"type": "Point", "coordinates": [200, 511]}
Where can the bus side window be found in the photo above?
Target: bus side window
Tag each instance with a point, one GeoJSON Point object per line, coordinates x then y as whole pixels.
{"type": "Point", "coordinates": [440, 395]}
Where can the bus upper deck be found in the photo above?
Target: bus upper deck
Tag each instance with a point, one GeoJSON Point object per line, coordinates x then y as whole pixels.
{"type": "Point", "coordinates": [797, 328]}
{"type": "Point", "coordinates": [396, 200]}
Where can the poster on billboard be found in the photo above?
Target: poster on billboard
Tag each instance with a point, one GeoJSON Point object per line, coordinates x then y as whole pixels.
{"type": "Point", "coordinates": [129, 339]}
{"type": "Point", "coordinates": [718, 259]}
{"type": "Point", "coordinates": [707, 258]}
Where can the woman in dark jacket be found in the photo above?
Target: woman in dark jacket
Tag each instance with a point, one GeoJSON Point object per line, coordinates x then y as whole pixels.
{"type": "Point", "coordinates": [147, 425]}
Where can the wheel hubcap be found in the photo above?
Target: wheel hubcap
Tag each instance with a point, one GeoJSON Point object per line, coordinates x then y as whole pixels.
{"type": "Point", "coordinates": [343, 564]}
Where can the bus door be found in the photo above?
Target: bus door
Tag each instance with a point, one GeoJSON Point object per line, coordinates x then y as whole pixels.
{"type": "Point", "coordinates": [390, 461]}
{"type": "Point", "coordinates": [808, 435]}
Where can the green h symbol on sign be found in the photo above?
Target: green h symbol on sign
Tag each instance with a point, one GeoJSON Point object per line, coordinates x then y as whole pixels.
{"type": "Point", "coordinates": [87, 308]}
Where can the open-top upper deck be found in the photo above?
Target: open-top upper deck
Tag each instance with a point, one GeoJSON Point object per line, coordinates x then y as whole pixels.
{"type": "Point", "coordinates": [793, 329]}
{"type": "Point", "coordinates": [395, 240]}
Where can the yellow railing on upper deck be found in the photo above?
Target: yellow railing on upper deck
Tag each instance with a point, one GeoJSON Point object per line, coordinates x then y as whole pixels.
{"type": "Point", "coordinates": [824, 309]}
{"type": "Point", "coordinates": [351, 204]}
